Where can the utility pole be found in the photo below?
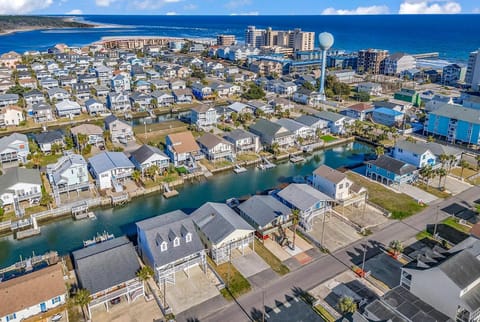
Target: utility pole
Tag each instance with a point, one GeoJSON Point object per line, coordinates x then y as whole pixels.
{"type": "Point", "coordinates": [363, 261]}
{"type": "Point", "coordinates": [435, 226]}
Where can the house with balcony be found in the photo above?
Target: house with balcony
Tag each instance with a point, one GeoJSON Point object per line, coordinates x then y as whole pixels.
{"type": "Point", "coordinates": [266, 214]}
{"type": "Point", "coordinates": [109, 169]}
{"type": "Point", "coordinates": [20, 184]}
{"type": "Point", "coordinates": [48, 82]}
{"type": "Point", "coordinates": [120, 83]}
{"type": "Point", "coordinates": [387, 117]}
{"type": "Point", "coordinates": [301, 131]}
{"type": "Point", "coordinates": [358, 111]}
{"type": "Point", "coordinates": [120, 131]}
{"type": "Point", "coordinates": [108, 270]}
{"type": "Point", "coordinates": [271, 133]}
{"type": "Point", "coordinates": [170, 245]}
{"type": "Point", "coordinates": [69, 173]}
{"type": "Point", "coordinates": [57, 94]}
{"type": "Point", "coordinates": [8, 99]}
{"type": "Point", "coordinates": [203, 116]}
{"type": "Point", "coordinates": [337, 123]}
{"type": "Point", "coordinates": [222, 230]}
{"type": "Point", "coordinates": [93, 133]}
{"type": "Point", "coordinates": [34, 97]}
{"type": "Point", "coordinates": [14, 148]}
{"type": "Point", "coordinates": [243, 141]}
{"type": "Point", "coordinates": [390, 171]}
{"type": "Point", "coordinates": [182, 149]}
{"type": "Point", "coordinates": [215, 148]}
{"type": "Point", "coordinates": [95, 107]}
{"type": "Point", "coordinates": [307, 97]}
{"type": "Point", "coordinates": [240, 108]}
{"type": "Point", "coordinates": [310, 202]}
{"type": "Point", "coordinates": [317, 124]}
{"type": "Point", "coordinates": [28, 295]}
{"type": "Point", "coordinates": [421, 153]}
{"type": "Point", "coordinates": [45, 140]}
{"type": "Point", "coordinates": [163, 98]}
{"type": "Point", "coordinates": [146, 156]}
{"type": "Point", "coordinates": [140, 101]}
{"type": "Point", "coordinates": [336, 185]}
{"type": "Point", "coordinates": [182, 96]}
{"type": "Point", "coordinates": [11, 116]}
{"type": "Point", "coordinates": [118, 102]}
{"type": "Point", "coordinates": [68, 108]}
{"type": "Point", "coordinates": [202, 92]}
{"type": "Point", "coordinates": [372, 89]}
{"type": "Point", "coordinates": [42, 112]}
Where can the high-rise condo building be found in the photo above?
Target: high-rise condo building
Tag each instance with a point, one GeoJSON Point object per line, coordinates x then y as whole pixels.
{"type": "Point", "coordinates": [226, 40]}
{"type": "Point", "coordinates": [472, 77]}
{"type": "Point", "coordinates": [371, 60]}
{"type": "Point", "coordinates": [297, 39]}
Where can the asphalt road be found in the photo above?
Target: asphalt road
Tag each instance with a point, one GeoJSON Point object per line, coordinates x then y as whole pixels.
{"type": "Point", "coordinates": [327, 266]}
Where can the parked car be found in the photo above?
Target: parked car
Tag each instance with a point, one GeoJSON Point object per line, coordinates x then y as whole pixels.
{"type": "Point", "coordinates": [57, 317]}
{"type": "Point", "coordinates": [115, 301]}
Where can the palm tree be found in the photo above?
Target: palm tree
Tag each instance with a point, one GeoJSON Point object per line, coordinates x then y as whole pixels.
{"type": "Point", "coordinates": [443, 159]}
{"type": "Point", "coordinates": [426, 173]}
{"type": "Point", "coordinates": [347, 305]}
{"type": "Point", "coordinates": [136, 176]}
{"type": "Point", "coordinates": [275, 148]}
{"type": "Point", "coordinates": [144, 274]}
{"type": "Point", "coordinates": [295, 218]}
{"type": "Point", "coordinates": [463, 164]}
{"type": "Point", "coordinates": [396, 246]}
{"type": "Point", "coordinates": [82, 298]}
{"type": "Point", "coordinates": [440, 172]}
{"type": "Point", "coordinates": [81, 140]}
{"type": "Point", "coordinates": [379, 150]}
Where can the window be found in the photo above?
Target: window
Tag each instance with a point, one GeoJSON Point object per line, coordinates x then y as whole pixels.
{"type": "Point", "coordinates": [188, 238]}
{"type": "Point", "coordinates": [163, 246]}
{"type": "Point", "coordinates": [176, 242]}
{"type": "Point", "coordinates": [340, 186]}
{"type": "Point", "coordinates": [11, 317]}
{"type": "Point", "coordinates": [56, 300]}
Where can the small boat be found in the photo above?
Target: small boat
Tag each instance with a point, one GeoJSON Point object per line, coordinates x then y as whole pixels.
{"type": "Point", "coordinates": [100, 238]}
{"type": "Point", "coordinates": [296, 159]}
{"type": "Point", "coordinates": [91, 215]}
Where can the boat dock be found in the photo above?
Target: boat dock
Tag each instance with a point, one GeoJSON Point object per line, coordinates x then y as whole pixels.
{"type": "Point", "coordinates": [296, 159]}
{"type": "Point", "coordinates": [169, 193]}
{"type": "Point", "coordinates": [80, 212]}
{"type": "Point", "coordinates": [238, 169]}
{"type": "Point", "coordinates": [100, 238]}
{"type": "Point", "coordinates": [20, 228]}
{"type": "Point", "coordinates": [120, 199]}
{"type": "Point", "coordinates": [28, 263]}
{"type": "Point", "coordinates": [266, 164]}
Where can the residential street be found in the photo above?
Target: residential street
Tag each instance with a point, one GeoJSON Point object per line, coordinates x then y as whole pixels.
{"type": "Point", "coordinates": [325, 267]}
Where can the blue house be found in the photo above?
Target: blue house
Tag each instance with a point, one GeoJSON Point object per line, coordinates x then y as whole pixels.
{"type": "Point", "coordinates": [389, 171]}
{"type": "Point", "coordinates": [455, 124]}
{"type": "Point", "coordinates": [386, 116]}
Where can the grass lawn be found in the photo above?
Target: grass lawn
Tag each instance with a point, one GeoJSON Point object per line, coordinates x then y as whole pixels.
{"type": "Point", "coordinates": [399, 204]}
{"type": "Point", "coordinates": [271, 259]}
{"type": "Point", "coordinates": [248, 156]}
{"type": "Point", "coordinates": [433, 190]}
{"type": "Point", "coordinates": [217, 165]}
{"type": "Point", "coordinates": [45, 160]}
{"type": "Point", "coordinates": [423, 234]}
{"type": "Point", "coordinates": [324, 314]}
{"type": "Point", "coordinates": [10, 215]}
{"type": "Point", "coordinates": [466, 172]}
{"type": "Point", "coordinates": [235, 283]}
{"type": "Point", "coordinates": [453, 222]}
{"type": "Point", "coordinates": [34, 210]}
{"type": "Point", "coordinates": [328, 138]}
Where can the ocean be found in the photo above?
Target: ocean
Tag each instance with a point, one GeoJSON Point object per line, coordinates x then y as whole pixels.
{"type": "Point", "coordinates": [453, 36]}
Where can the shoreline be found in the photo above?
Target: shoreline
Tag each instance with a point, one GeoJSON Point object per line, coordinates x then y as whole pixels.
{"type": "Point", "coordinates": [65, 19]}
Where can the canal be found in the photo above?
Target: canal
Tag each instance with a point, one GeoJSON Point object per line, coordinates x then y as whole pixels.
{"type": "Point", "coordinates": [67, 235]}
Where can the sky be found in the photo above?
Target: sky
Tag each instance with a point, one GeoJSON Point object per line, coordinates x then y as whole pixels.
{"type": "Point", "coordinates": [239, 7]}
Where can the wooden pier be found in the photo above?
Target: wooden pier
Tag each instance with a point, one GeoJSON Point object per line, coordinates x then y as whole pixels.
{"type": "Point", "coordinates": [169, 193]}
{"type": "Point", "coordinates": [120, 199]}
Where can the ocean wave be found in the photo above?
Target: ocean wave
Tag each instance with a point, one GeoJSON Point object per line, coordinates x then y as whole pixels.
{"type": "Point", "coordinates": [171, 27]}
{"type": "Point", "coordinates": [86, 31]}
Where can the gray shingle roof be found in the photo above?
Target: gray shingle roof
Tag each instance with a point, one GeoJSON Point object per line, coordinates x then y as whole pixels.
{"type": "Point", "coordinates": [238, 134]}
{"type": "Point", "coordinates": [106, 161]}
{"type": "Point", "coordinates": [302, 196]}
{"type": "Point", "coordinates": [210, 140]}
{"type": "Point", "coordinates": [290, 124]}
{"type": "Point", "coordinates": [7, 140]}
{"type": "Point", "coordinates": [263, 209]}
{"type": "Point", "coordinates": [49, 137]}
{"type": "Point", "coordinates": [308, 120]}
{"type": "Point", "coordinates": [393, 165]}
{"type": "Point", "coordinates": [56, 170]}
{"type": "Point", "coordinates": [217, 221]}
{"type": "Point", "coordinates": [268, 128]}
{"type": "Point", "coordinates": [330, 116]}
{"type": "Point", "coordinates": [330, 174]}
{"type": "Point", "coordinates": [146, 151]}
{"type": "Point", "coordinates": [16, 175]}
{"type": "Point", "coordinates": [105, 265]}
{"type": "Point", "coordinates": [165, 228]}
{"type": "Point", "coordinates": [462, 268]}
{"type": "Point", "coordinates": [420, 147]}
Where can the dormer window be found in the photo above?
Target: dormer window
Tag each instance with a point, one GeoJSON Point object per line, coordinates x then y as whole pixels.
{"type": "Point", "coordinates": [176, 242]}
{"type": "Point", "coordinates": [163, 246]}
{"type": "Point", "coordinates": [188, 238]}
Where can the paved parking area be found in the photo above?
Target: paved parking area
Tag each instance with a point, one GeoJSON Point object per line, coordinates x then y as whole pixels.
{"type": "Point", "coordinates": [249, 264]}
{"type": "Point", "coordinates": [455, 186]}
{"type": "Point", "coordinates": [385, 269]}
{"type": "Point", "coordinates": [367, 216]}
{"type": "Point", "coordinates": [417, 193]}
{"type": "Point", "coordinates": [337, 234]}
{"type": "Point", "coordinates": [284, 253]}
{"type": "Point", "coordinates": [190, 291]}
{"type": "Point", "coordinates": [137, 311]}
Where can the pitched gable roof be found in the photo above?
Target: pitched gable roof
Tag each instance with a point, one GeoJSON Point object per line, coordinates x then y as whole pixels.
{"type": "Point", "coordinates": [330, 174]}
{"type": "Point", "coordinates": [393, 165]}
{"type": "Point", "coordinates": [183, 142]}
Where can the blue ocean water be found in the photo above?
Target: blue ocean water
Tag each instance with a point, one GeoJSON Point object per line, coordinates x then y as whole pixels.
{"type": "Point", "coordinates": [453, 36]}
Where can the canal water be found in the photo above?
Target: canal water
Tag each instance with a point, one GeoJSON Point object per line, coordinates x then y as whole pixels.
{"type": "Point", "coordinates": [67, 235]}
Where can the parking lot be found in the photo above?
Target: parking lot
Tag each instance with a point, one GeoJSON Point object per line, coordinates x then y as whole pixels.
{"type": "Point", "coordinates": [337, 234]}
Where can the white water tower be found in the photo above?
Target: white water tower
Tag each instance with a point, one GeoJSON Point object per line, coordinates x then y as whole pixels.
{"type": "Point", "coordinates": [325, 40]}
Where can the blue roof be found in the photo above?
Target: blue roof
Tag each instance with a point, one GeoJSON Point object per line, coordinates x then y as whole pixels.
{"type": "Point", "coordinates": [109, 160]}
{"type": "Point", "coordinates": [387, 111]}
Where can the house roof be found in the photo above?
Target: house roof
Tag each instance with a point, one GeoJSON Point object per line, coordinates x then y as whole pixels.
{"type": "Point", "coordinates": [49, 137]}
{"type": "Point", "coordinates": [238, 134]}
{"type": "Point", "coordinates": [238, 106]}
{"type": "Point", "coordinates": [217, 221]}
{"type": "Point", "coordinates": [183, 142]}
{"type": "Point", "coordinates": [41, 107]}
{"type": "Point", "coordinates": [290, 124]}
{"type": "Point", "coordinates": [360, 107]}
{"type": "Point", "coordinates": [210, 140]}
{"type": "Point", "coordinates": [387, 111]}
{"type": "Point", "coordinates": [7, 140]}
{"type": "Point", "coordinates": [330, 174]}
{"type": "Point", "coordinates": [16, 175]}
{"type": "Point", "coordinates": [144, 152]}
{"type": "Point", "coordinates": [462, 268]}
{"type": "Point", "coordinates": [263, 209]}
{"type": "Point", "coordinates": [31, 289]}
{"type": "Point", "coordinates": [266, 127]}
{"type": "Point", "coordinates": [393, 165]}
{"type": "Point", "coordinates": [165, 228]}
{"type": "Point", "coordinates": [330, 116]}
{"type": "Point", "coordinates": [56, 170]}
{"type": "Point", "coordinates": [105, 265]}
{"type": "Point", "coordinates": [201, 108]}
{"type": "Point", "coordinates": [67, 104]}
{"type": "Point", "coordinates": [308, 120]}
{"type": "Point", "coordinates": [89, 129]}
{"type": "Point", "coordinates": [468, 115]}
{"type": "Point", "coordinates": [107, 161]}
{"type": "Point", "coordinates": [302, 196]}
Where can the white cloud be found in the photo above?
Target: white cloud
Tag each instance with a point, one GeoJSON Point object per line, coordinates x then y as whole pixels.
{"type": "Point", "coordinates": [476, 10]}
{"type": "Point", "coordinates": [429, 7]}
{"type": "Point", "coordinates": [22, 6]}
{"type": "Point", "coordinates": [251, 13]}
{"type": "Point", "coordinates": [190, 6]}
{"type": "Point", "coordinates": [104, 3]}
{"type": "Point", "coordinates": [153, 4]}
{"type": "Point", "coordinates": [237, 3]}
{"type": "Point", "coordinates": [171, 13]}
{"type": "Point", "coordinates": [372, 10]}
{"type": "Point", "coordinates": [75, 12]}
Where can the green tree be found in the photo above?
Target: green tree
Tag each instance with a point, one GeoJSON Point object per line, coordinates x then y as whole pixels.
{"type": "Point", "coordinates": [347, 305]}
{"type": "Point", "coordinates": [254, 92]}
{"type": "Point", "coordinates": [427, 173]}
{"type": "Point", "coordinates": [295, 219]}
{"type": "Point", "coordinates": [144, 274]}
{"type": "Point", "coordinates": [463, 164]}
{"type": "Point", "coordinates": [441, 173]}
{"type": "Point", "coordinates": [396, 246]}
{"type": "Point", "coordinates": [379, 150]}
{"type": "Point", "coordinates": [308, 86]}
{"type": "Point", "coordinates": [82, 298]}
{"type": "Point", "coordinates": [477, 158]}
{"type": "Point", "coordinates": [362, 97]}
{"type": "Point", "coordinates": [46, 199]}
{"type": "Point", "coordinates": [136, 175]}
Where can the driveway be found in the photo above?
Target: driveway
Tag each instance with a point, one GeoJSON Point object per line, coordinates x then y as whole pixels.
{"type": "Point", "coordinates": [337, 233]}
{"type": "Point", "coordinates": [417, 193]}
{"type": "Point", "coordinates": [456, 186]}
{"type": "Point", "coordinates": [250, 264]}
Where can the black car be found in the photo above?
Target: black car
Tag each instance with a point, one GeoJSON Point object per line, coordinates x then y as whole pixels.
{"type": "Point", "coordinates": [115, 301]}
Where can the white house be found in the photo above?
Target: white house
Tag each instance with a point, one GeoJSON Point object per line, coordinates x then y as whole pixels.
{"type": "Point", "coordinates": [372, 89]}
{"type": "Point", "coordinates": [243, 141]}
{"type": "Point", "coordinates": [94, 107]}
{"type": "Point", "coordinates": [298, 129]}
{"type": "Point", "coordinates": [69, 173]}
{"type": "Point", "coordinates": [120, 83]}
{"type": "Point", "coordinates": [94, 134]}
{"type": "Point", "coordinates": [215, 147]}
{"type": "Point", "coordinates": [334, 184]}
{"type": "Point", "coordinates": [18, 184]}
{"type": "Point", "coordinates": [68, 108]}
{"type": "Point", "coordinates": [337, 123]}
{"type": "Point", "coordinates": [33, 293]}
{"type": "Point", "coordinates": [182, 149]}
{"type": "Point", "coordinates": [146, 156]}
{"type": "Point", "coordinates": [396, 63]}
{"type": "Point", "coordinates": [110, 168]}
{"type": "Point", "coordinates": [421, 153]}
{"type": "Point", "coordinates": [11, 116]}
{"type": "Point", "coordinates": [14, 148]}
{"type": "Point", "coordinates": [203, 115]}
{"type": "Point", "coordinates": [120, 131]}
{"type": "Point", "coordinates": [118, 101]}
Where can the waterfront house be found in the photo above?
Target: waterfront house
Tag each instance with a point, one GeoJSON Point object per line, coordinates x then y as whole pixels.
{"type": "Point", "coordinates": [120, 83]}
{"type": "Point", "coordinates": [68, 108]}
{"type": "Point", "coordinates": [101, 90]}
{"type": "Point", "coordinates": [108, 270]}
{"type": "Point", "coordinates": [42, 112]}
{"type": "Point", "coordinates": [19, 184]}
{"type": "Point", "coordinates": [146, 156]}
{"type": "Point", "coordinates": [454, 124]}
{"type": "Point", "coordinates": [421, 153]}
{"type": "Point", "coordinates": [337, 123]}
{"type": "Point", "coordinates": [202, 92]}
{"type": "Point", "coordinates": [309, 201]}
{"type": "Point", "coordinates": [30, 294]}
{"type": "Point", "coordinates": [46, 139]}
{"type": "Point", "coordinates": [390, 171]}
{"type": "Point", "coordinates": [182, 96]}
{"type": "Point", "coordinates": [298, 129]}
{"type": "Point", "coordinates": [335, 184]}
{"type": "Point", "coordinates": [69, 173]}
{"type": "Point", "coordinates": [243, 141]}
{"type": "Point", "coordinates": [94, 134]}
{"type": "Point", "coordinates": [271, 133]}
{"type": "Point", "coordinates": [182, 149]}
{"type": "Point", "coordinates": [266, 214]}
{"type": "Point", "coordinates": [109, 169]}
{"type": "Point", "coordinates": [222, 230]}
{"type": "Point", "coordinates": [120, 131]}
{"type": "Point", "coordinates": [118, 102]}
{"type": "Point", "coordinates": [372, 89]}
{"type": "Point", "coordinates": [163, 98]}
{"type": "Point", "coordinates": [240, 108]}
{"type": "Point", "coordinates": [57, 94]}
{"type": "Point", "coordinates": [11, 116]}
{"type": "Point", "coordinates": [315, 123]}
{"type": "Point", "coordinates": [387, 117]}
{"type": "Point", "coordinates": [170, 244]}
{"type": "Point", "coordinates": [358, 111]}
{"type": "Point", "coordinates": [215, 148]}
{"type": "Point", "coordinates": [14, 147]}
{"type": "Point", "coordinates": [203, 116]}
{"type": "Point", "coordinates": [34, 97]}
{"type": "Point", "coordinates": [140, 101]}
{"type": "Point", "coordinates": [94, 107]}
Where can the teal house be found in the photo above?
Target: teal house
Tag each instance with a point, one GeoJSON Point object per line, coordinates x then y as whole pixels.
{"type": "Point", "coordinates": [390, 171]}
